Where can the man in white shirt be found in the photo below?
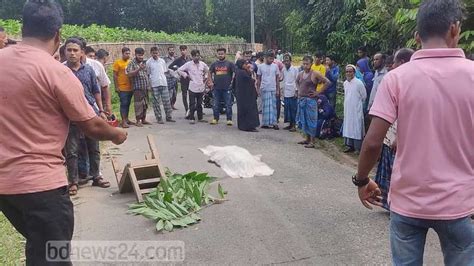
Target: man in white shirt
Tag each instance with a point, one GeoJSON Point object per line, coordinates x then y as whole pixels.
{"type": "Point", "coordinates": [290, 73]}
{"type": "Point", "coordinates": [197, 72]}
{"type": "Point", "coordinates": [156, 68]}
{"type": "Point", "coordinates": [102, 78]}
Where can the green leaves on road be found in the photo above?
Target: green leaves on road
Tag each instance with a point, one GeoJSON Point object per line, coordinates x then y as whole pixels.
{"type": "Point", "coordinates": [176, 200]}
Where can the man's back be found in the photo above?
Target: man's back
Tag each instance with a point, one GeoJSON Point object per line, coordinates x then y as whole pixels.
{"type": "Point", "coordinates": [38, 96]}
{"type": "Point", "coordinates": [433, 99]}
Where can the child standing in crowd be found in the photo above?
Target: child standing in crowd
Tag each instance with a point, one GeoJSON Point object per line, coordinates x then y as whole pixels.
{"type": "Point", "coordinates": [354, 98]}
{"type": "Point", "coordinates": [197, 72]}
{"type": "Point", "coordinates": [268, 84]}
{"type": "Point", "coordinates": [325, 113]}
{"type": "Point", "coordinates": [307, 82]}
{"type": "Point", "coordinates": [136, 71]}
{"type": "Point", "coordinates": [290, 73]}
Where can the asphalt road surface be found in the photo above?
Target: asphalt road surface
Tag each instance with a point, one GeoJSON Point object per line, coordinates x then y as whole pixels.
{"type": "Point", "coordinates": [306, 213]}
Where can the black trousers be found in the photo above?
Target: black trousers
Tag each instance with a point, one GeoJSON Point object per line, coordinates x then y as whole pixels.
{"type": "Point", "coordinates": [278, 104]}
{"type": "Point", "coordinates": [40, 217]}
{"type": "Point", "coordinates": [195, 104]}
{"type": "Point", "coordinates": [184, 92]}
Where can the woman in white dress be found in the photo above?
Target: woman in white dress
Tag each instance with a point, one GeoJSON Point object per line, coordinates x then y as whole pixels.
{"type": "Point", "coordinates": [354, 97]}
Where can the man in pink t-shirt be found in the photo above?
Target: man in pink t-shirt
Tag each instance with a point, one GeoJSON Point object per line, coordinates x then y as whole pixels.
{"type": "Point", "coordinates": [432, 184]}
{"type": "Point", "coordinates": [40, 97]}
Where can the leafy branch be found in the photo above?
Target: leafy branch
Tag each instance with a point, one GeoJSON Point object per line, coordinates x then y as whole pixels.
{"type": "Point", "coordinates": [177, 200]}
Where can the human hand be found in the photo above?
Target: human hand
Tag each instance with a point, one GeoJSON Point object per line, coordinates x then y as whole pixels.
{"type": "Point", "coordinates": [120, 136]}
{"type": "Point", "coordinates": [142, 65]}
{"type": "Point", "coordinates": [103, 115]}
{"type": "Point", "coordinates": [313, 94]}
{"type": "Point", "coordinates": [370, 193]}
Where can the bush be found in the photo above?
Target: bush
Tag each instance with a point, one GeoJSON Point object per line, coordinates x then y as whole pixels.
{"type": "Point", "coordinates": [99, 33]}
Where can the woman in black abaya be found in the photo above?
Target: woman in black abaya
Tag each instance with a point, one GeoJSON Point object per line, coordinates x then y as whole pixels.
{"type": "Point", "coordinates": [246, 94]}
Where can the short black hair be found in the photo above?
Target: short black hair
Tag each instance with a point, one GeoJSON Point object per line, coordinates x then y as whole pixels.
{"type": "Point", "coordinates": [248, 52]}
{"type": "Point", "coordinates": [153, 49]}
{"type": "Point", "coordinates": [2, 29]}
{"type": "Point", "coordinates": [260, 54]}
{"type": "Point", "coordinates": [333, 57]}
{"type": "Point", "coordinates": [183, 47]}
{"type": "Point", "coordinates": [222, 49]}
{"type": "Point", "coordinates": [319, 54]}
{"type": "Point", "coordinates": [389, 60]}
{"type": "Point", "coordinates": [287, 57]}
{"type": "Point", "coordinates": [42, 19]}
{"type": "Point", "coordinates": [195, 52]}
{"type": "Point", "coordinates": [80, 39]}
{"type": "Point", "coordinates": [404, 54]}
{"type": "Point", "coordinates": [384, 56]}
{"type": "Point", "coordinates": [362, 49]}
{"type": "Point", "coordinates": [75, 41]}
{"type": "Point", "coordinates": [139, 50]}
{"type": "Point", "coordinates": [125, 49]}
{"type": "Point", "coordinates": [269, 53]}
{"type": "Point", "coordinates": [308, 58]}
{"type": "Point", "coordinates": [170, 47]}
{"type": "Point", "coordinates": [101, 53]}
{"type": "Point", "coordinates": [436, 16]}
{"type": "Point", "coordinates": [89, 50]}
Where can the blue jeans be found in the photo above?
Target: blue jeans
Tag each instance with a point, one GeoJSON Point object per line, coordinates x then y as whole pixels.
{"type": "Point", "coordinates": [125, 101]}
{"type": "Point", "coordinates": [408, 237]}
{"type": "Point", "coordinates": [222, 96]}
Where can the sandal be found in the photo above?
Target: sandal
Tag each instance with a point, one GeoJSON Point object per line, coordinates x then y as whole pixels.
{"type": "Point", "coordinates": [309, 146]}
{"type": "Point", "coordinates": [99, 182]}
{"type": "Point", "coordinates": [304, 142]}
{"type": "Point", "coordinates": [73, 189]}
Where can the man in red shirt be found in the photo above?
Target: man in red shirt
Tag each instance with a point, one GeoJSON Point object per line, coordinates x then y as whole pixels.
{"type": "Point", "coordinates": [39, 99]}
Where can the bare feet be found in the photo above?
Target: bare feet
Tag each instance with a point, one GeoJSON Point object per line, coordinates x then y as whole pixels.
{"type": "Point", "coordinates": [146, 122]}
{"type": "Point", "coordinates": [124, 125]}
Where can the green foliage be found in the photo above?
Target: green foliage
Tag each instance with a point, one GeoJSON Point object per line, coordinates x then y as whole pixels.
{"type": "Point", "coordinates": [98, 33]}
{"type": "Point", "coordinates": [176, 200]}
{"type": "Point", "coordinates": [340, 26]}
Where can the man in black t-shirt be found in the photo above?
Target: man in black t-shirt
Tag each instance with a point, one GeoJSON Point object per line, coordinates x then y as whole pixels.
{"type": "Point", "coordinates": [222, 74]}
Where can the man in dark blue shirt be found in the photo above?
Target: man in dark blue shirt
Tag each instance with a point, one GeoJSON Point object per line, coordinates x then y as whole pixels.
{"type": "Point", "coordinates": [86, 75]}
{"type": "Point", "coordinates": [333, 75]}
{"type": "Point", "coordinates": [222, 74]}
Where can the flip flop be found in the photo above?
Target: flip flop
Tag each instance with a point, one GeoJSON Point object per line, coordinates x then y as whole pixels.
{"type": "Point", "coordinates": [73, 189]}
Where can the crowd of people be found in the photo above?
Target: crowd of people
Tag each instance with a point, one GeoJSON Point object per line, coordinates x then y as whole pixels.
{"type": "Point", "coordinates": [405, 107]}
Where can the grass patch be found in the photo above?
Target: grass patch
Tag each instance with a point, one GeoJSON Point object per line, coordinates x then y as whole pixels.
{"type": "Point", "coordinates": [11, 243]}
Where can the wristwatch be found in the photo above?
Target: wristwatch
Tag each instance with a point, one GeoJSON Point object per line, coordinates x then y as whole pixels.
{"type": "Point", "coordinates": [360, 183]}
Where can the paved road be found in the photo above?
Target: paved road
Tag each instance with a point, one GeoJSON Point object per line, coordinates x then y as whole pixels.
{"type": "Point", "coordinates": [306, 213]}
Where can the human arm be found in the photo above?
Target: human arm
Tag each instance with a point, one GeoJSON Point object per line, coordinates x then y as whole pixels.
{"type": "Point", "coordinates": [116, 82]}
{"type": "Point", "coordinates": [116, 69]}
{"type": "Point", "coordinates": [317, 78]}
{"type": "Point", "coordinates": [98, 129]}
{"type": "Point", "coordinates": [133, 69]}
{"type": "Point", "coordinates": [277, 81]}
{"type": "Point", "coordinates": [70, 96]}
{"type": "Point", "coordinates": [182, 71]}
{"type": "Point", "coordinates": [104, 83]}
{"type": "Point", "coordinates": [369, 156]}
{"type": "Point", "coordinates": [384, 113]}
